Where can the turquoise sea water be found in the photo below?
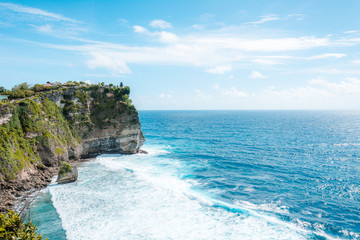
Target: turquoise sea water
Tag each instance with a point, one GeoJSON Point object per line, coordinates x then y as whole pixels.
{"type": "Point", "coordinates": [218, 175]}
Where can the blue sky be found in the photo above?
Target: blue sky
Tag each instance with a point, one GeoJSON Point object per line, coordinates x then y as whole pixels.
{"type": "Point", "coordinates": [191, 54]}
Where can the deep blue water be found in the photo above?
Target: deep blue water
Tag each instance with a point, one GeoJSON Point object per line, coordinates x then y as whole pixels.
{"type": "Point", "coordinates": [219, 175]}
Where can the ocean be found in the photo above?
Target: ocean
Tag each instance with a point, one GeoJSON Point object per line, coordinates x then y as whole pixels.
{"type": "Point", "coordinates": [218, 175]}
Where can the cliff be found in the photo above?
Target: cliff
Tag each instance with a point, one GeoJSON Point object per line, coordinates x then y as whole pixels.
{"type": "Point", "coordinates": [67, 123]}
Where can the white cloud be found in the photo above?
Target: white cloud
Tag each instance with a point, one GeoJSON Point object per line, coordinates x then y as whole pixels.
{"type": "Point", "coordinates": [163, 36]}
{"type": "Point", "coordinates": [35, 11]}
{"type": "Point", "coordinates": [198, 26]}
{"type": "Point", "coordinates": [233, 92]}
{"type": "Point", "coordinates": [349, 86]}
{"type": "Point", "coordinates": [220, 69]}
{"type": "Point", "coordinates": [299, 93]}
{"type": "Point", "coordinates": [256, 74]}
{"type": "Point", "coordinates": [202, 95]}
{"type": "Point", "coordinates": [216, 86]}
{"type": "Point", "coordinates": [116, 65]}
{"type": "Point", "coordinates": [216, 52]}
{"type": "Point", "coordinates": [297, 16]}
{"type": "Point", "coordinates": [351, 32]}
{"type": "Point", "coordinates": [167, 37]}
{"type": "Point", "coordinates": [266, 18]}
{"type": "Point", "coordinates": [160, 24]}
{"type": "Point", "coordinates": [231, 76]}
{"type": "Point", "coordinates": [139, 29]}
{"type": "Point", "coordinates": [357, 61]}
{"type": "Point", "coordinates": [165, 95]}
{"type": "Point", "coordinates": [266, 61]}
{"type": "Point", "coordinates": [206, 17]}
{"type": "Point", "coordinates": [327, 55]}
{"type": "Point", "coordinates": [45, 28]}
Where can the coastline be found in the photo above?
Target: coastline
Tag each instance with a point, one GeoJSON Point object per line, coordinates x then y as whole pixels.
{"type": "Point", "coordinates": [21, 190]}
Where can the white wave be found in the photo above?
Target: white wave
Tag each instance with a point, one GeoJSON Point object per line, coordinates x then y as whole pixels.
{"type": "Point", "coordinates": [269, 207]}
{"type": "Point", "coordinates": [143, 197]}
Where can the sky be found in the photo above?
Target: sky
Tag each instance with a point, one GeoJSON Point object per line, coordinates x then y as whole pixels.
{"type": "Point", "coordinates": [213, 54]}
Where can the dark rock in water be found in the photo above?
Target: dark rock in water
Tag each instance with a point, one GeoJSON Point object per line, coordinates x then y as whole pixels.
{"type": "Point", "coordinates": [68, 177]}
{"type": "Point", "coordinates": [143, 151]}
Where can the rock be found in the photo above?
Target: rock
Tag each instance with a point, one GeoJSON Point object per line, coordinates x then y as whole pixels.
{"type": "Point", "coordinates": [68, 177]}
{"type": "Point", "coordinates": [143, 151]}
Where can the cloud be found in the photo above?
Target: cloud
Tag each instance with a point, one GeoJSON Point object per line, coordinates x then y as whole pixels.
{"type": "Point", "coordinates": [163, 36]}
{"type": "Point", "coordinates": [220, 69]}
{"type": "Point", "coordinates": [357, 61]}
{"type": "Point", "coordinates": [202, 95]}
{"type": "Point", "coordinates": [45, 28]}
{"type": "Point", "coordinates": [230, 92]}
{"type": "Point", "coordinates": [297, 16]}
{"type": "Point", "coordinates": [326, 55]}
{"type": "Point", "coordinates": [351, 32]}
{"type": "Point", "coordinates": [299, 93]}
{"type": "Point", "coordinates": [139, 29]}
{"type": "Point", "coordinates": [160, 24]}
{"type": "Point", "coordinates": [116, 65]}
{"type": "Point", "coordinates": [266, 18]}
{"type": "Point", "coordinates": [167, 37]}
{"type": "Point", "coordinates": [349, 86]}
{"type": "Point", "coordinates": [233, 92]}
{"type": "Point", "coordinates": [256, 74]}
{"type": "Point", "coordinates": [206, 17]}
{"type": "Point", "coordinates": [215, 51]}
{"type": "Point", "coordinates": [164, 95]}
{"type": "Point", "coordinates": [266, 61]}
{"type": "Point", "coordinates": [216, 86]}
{"type": "Point", "coordinates": [273, 60]}
{"type": "Point", "coordinates": [122, 21]}
{"type": "Point", "coordinates": [35, 11]}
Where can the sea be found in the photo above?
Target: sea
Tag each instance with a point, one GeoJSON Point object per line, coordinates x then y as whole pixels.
{"type": "Point", "coordinates": [217, 175]}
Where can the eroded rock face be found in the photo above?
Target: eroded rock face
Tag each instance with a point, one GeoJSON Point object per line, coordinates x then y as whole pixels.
{"type": "Point", "coordinates": [61, 125]}
{"type": "Point", "coordinates": [110, 126]}
{"type": "Point", "coordinates": [68, 177]}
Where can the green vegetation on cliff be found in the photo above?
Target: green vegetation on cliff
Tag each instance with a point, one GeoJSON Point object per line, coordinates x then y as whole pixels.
{"type": "Point", "coordinates": [12, 226]}
{"type": "Point", "coordinates": [31, 125]}
{"type": "Point", "coordinates": [42, 129]}
{"type": "Point", "coordinates": [65, 168]}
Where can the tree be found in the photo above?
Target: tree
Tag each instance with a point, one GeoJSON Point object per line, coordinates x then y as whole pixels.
{"type": "Point", "coordinates": [2, 90]}
{"type": "Point", "coordinates": [22, 86]}
{"type": "Point", "coordinates": [38, 87]}
{"type": "Point", "coordinates": [125, 90]}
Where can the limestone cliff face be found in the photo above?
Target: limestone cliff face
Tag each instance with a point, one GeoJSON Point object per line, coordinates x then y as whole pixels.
{"type": "Point", "coordinates": [69, 123]}
{"type": "Point", "coordinates": [103, 121]}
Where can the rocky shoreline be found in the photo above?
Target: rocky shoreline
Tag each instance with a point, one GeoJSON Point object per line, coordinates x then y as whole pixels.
{"type": "Point", "coordinates": [27, 182]}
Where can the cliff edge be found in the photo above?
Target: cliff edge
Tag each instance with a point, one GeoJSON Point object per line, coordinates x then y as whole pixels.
{"type": "Point", "coordinates": [62, 124]}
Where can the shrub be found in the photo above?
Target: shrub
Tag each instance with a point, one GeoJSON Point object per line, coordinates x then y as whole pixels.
{"type": "Point", "coordinates": [82, 96]}
{"type": "Point", "coordinates": [65, 168]}
{"type": "Point", "coordinates": [12, 226]}
{"type": "Point", "coordinates": [2, 90]}
{"type": "Point", "coordinates": [22, 86]}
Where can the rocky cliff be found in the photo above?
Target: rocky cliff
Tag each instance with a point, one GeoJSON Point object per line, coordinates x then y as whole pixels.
{"type": "Point", "coordinates": [68, 123]}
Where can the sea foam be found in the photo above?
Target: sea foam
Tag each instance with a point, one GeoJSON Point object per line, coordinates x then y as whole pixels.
{"type": "Point", "coordinates": [146, 197]}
